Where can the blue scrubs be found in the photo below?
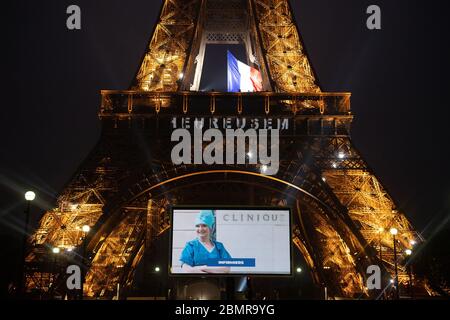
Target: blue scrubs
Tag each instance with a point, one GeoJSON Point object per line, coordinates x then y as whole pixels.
{"type": "Point", "coordinates": [195, 254]}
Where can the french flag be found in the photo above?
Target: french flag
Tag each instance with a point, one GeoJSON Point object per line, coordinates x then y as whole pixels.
{"type": "Point", "coordinates": [241, 77]}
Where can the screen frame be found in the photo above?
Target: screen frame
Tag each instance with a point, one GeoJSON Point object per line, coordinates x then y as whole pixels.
{"type": "Point", "coordinates": [229, 275]}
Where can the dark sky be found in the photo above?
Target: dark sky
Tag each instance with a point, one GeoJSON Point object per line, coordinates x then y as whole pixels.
{"type": "Point", "coordinates": [398, 77]}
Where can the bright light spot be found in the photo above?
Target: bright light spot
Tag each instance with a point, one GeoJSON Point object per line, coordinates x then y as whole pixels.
{"type": "Point", "coordinates": [70, 249]}
{"type": "Point", "coordinates": [250, 155]}
{"type": "Point", "coordinates": [341, 155]}
{"type": "Point", "coordinates": [413, 242]}
{"type": "Point", "coordinates": [181, 75]}
{"type": "Point", "coordinates": [408, 252]}
{"type": "Point", "coordinates": [73, 207]}
{"type": "Point", "coordinates": [393, 231]}
{"type": "Point", "coordinates": [299, 270]}
{"type": "Point", "coordinates": [56, 250]}
{"type": "Point", "coordinates": [324, 179]}
{"type": "Point", "coordinates": [334, 165]}
{"type": "Point", "coordinates": [391, 281]}
{"type": "Point", "coordinates": [30, 196]}
{"type": "Point", "coordinates": [264, 169]}
{"type": "Point", "coordinates": [157, 269]}
{"type": "Point", "coordinates": [86, 228]}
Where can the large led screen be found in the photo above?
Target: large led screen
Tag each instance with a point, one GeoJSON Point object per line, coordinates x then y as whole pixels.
{"type": "Point", "coordinates": [208, 241]}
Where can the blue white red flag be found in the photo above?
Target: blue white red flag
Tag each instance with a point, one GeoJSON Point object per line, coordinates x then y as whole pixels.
{"type": "Point", "coordinates": [242, 77]}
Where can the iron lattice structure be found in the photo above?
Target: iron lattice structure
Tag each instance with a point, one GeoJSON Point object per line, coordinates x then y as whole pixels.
{"type": "Point", "coordinates": [126, 186]}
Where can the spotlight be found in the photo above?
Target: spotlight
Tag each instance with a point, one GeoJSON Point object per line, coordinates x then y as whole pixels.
{"type": "Point", "coordinates": [86, 228]}
{"type": "Point", "coordinates": [56, 250]}
{"type": "Point", "coordinates": [299, 270]}
{"type": "Point", "coordinates": [408, 252]}
{"type": "Point", "coordinates": [341, 155]}
{"type": "Point", "coordinates": [157, 269]}
{"type": "Point", "coordinates": [393, 231]}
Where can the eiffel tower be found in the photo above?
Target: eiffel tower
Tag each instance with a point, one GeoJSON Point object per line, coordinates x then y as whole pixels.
{"type": "Point", "coordinates": [126, 186]}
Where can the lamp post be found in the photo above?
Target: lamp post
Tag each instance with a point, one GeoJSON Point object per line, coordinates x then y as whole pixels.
{"type": "Point", "coordinates": [85, 230]}
{"type": "Point", "coordinates": [156, 272]}
{"type": "Point", "coordinates": [299, 270]}
{"type": "Point", "coordinates": [394, 232]}
{"type": "Point", "coordinates": [380, 233]}
{"type": "Point", "coordinates": [29, 197]}
{"type": "Point", "coordinates": [55, 252]}
{"type": "Point", "coordinates": [408, 253]}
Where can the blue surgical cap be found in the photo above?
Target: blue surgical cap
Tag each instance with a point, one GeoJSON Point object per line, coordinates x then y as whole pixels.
{"type": "Point", "coordinates": [205, 217]}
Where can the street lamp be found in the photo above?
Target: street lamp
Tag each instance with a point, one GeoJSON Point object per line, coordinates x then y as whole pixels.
{"type": "Point", "coordinates": [56, 252]}
{"type": "Point", "coordinates": [380, 232]}
{"type": "Point", "coordinates": [380, 237]}
{"type": "Point", "coordinates": [394, 232]}
{"type": "Point", "coordinates": [85, 230]}
{"type": "Point", "coordinates": [29, 196]}
{"type": "Point", "coordinates": [408, 253]}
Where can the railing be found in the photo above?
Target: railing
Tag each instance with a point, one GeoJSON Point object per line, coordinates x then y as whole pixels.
{"type": "Point", "coordinates": [201, 103]}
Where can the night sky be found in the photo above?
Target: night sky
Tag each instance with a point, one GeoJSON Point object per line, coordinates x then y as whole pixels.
{"type": "Point", "coordinates": [399, 78]}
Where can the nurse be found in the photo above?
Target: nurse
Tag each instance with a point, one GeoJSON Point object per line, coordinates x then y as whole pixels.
{"type": "Point", "coordinates": [196, 253]}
